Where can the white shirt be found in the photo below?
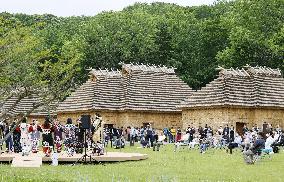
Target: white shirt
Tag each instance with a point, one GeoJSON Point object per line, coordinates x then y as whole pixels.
{"type": "Point", "coordinates": [238, 140]}
{"type": "Point", "coordinates": [269, 141]}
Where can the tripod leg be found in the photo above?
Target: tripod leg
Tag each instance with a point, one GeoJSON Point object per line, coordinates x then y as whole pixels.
{"type": "Point", "coordinates": [80, 159]}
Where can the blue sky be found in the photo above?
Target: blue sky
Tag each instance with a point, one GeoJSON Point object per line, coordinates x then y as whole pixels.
{"type": "Point", "coordinates": [80, 7]}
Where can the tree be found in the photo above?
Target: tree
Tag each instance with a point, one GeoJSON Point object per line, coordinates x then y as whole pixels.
{"type": "Point", "coordinates": [26, 70]}
{"type": "Point", "coordinates": [253, 26]}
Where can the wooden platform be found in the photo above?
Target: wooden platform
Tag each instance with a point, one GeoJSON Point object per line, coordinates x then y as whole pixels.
{"type": "Point", "coordinates": [107, 157]}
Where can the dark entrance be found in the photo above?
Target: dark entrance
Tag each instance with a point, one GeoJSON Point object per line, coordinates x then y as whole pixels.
{"type": "Point", "coordinates": [239, 128]}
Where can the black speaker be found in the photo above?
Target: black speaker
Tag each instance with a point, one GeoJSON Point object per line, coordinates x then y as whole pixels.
{"type": "Point", "coordinates": [86, 121]}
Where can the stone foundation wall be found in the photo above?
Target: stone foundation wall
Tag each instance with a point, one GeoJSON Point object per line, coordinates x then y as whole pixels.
{"type": "Point", "coordinates": [131, 118]}
{"type": "Point", "coordinates": [220, 116]}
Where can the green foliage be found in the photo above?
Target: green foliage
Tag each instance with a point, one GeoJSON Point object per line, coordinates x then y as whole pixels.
{"type": "Point", "coordinates": [254, 25]}
{"type": "Point", "coordinates": [194, 40]}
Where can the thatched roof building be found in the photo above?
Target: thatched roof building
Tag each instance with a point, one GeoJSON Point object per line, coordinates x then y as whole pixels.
{"type": "Point", "coordinates": [14, 106]}
{"type": "Point", "coordinates": [134, 95]}
{"type": "Point", "coordinates": [248, 95]}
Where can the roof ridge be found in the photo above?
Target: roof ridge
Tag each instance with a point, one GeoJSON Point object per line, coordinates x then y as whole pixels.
{"type": "Point", "coordinates": [105, 72]}
{"type": "Point", "coordinates": [248, 71]}
{"type": "Point", "coordinates": [148, 68]}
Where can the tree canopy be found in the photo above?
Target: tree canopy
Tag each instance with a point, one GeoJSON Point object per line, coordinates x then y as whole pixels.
{"type": "Point", "coordinates": [45, 52]}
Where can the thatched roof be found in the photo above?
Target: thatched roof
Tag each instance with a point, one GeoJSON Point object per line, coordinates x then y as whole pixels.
{"type": "Point", "coordinates": [14, 106]}
{"type": "Point", "coordinates": [246, 87]}
{"type": "Point", "coordinates": [135, 87]}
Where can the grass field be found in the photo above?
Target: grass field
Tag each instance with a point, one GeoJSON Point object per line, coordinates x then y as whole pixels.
{"type": "Point", "coordinates": [166, 165]}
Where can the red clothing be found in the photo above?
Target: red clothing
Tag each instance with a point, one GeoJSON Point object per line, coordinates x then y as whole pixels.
{"type": "Point", "coordinates": [178, 137]}
{"type": "Point", "coordinates": [18, 129]}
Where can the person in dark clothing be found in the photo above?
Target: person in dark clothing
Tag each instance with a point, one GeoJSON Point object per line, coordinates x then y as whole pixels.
{"type": "Point", "coordinates": [201, 133]}
{"type": "Point", "coordinates": [259, 144]}
{"type": "Point", "coordinates": [1, 133]}
{"type": "Point", "coordinates": [225, 140]}
{"type": "Point", "coordinates": [255, 128]}
{"type": "Point", "coordinates": [226, 130]}
{"type": "Point", "coordinates": [232, 134]}
{"type": "Point", "coordinates": [149, 135]}
{"type": "Point", "coordinates": [70, 137]}
{"type": "Point", "coordinates": [58, 135]}
{"type": "Point", "coordinates": [192, 132]}
{"type": "Point", "coordinates": [47, 139]}
{"type": "Point", "coordinates": [79, 133]}
{"type": "Point", "coordinates": [210, 131]}
{"type": "Point", "coordinates": [245, 129]}
{"type": "Point", "coordinates": [17, 138]}
{"type": "Point", "coordinates": [9, 140]}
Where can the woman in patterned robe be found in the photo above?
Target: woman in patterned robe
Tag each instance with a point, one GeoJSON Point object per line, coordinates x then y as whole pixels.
{"type": "Point", "coordinates": [25, 140]}
{"type": "Point", "coordinates": [58, 130]}
{"type": "Point", "coordinates": [70, 137]}
{"type": "Point", "coordinates": [34, 135]}
{"type": "Point", "coordinates": [47, 139]}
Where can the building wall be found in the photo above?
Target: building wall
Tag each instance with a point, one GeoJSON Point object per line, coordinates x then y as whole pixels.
{"type": "Point", "coordinates": [131, 118]}
{"type": "Point", "coordinates": [40, 119]}
{"type": "Point", "coordinates": [220, 116]}
{"type": "Point", "coordinates": [62, 117]}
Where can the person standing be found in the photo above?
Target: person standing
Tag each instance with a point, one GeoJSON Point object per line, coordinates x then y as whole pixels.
{"type": "Point", "coordinates": [58, 130]}
{"type": "Point", "coordinates": [149, 135]}
{"type": "Point", "coordinates": [173, 134]}
{"type": "Point", "coordinates": [47, 139]}
{"type": "Point", "coordinates": [69, 130]}
{"type": "Point", "coordinates": [132, 136]}
{"type": "Point", "coordinates": [226, 130]}
{"type": "Point", "coordinates": [16, 138]}
{"type": "Point", "coordinates": [1, 133]}
{"type": "Point", "coordinates": [34, 138]}
{"type": "Point", "coordinates": [9, 140]}
{"type": "Point", "coordinates": [79, 133]}
{"type": "Point", "coordinates": [191, 134]}
{"type": "Point", "coordinates": [25, 139]}
{"type": "Point", "coordinates": [232, 134]}
{"type": "Point", "coordinates": [178, 137]}
{"type": "Point", "coordinates": [245, 129]}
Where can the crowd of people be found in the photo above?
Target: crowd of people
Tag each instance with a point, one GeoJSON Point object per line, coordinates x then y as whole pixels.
{"type": "Point", "coordinates": [26, 137]}
{"type": "Point", "coordinates": [54, 135]}
{"type": "Point", "coordinates": [205, 137]}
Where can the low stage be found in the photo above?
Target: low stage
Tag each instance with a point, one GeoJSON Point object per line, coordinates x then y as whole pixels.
{"type": "Point", "coordinates": [62, 157]}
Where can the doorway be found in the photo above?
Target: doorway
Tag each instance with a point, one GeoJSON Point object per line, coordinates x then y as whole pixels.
{"type": "Point", "coordinates": [239, 128]}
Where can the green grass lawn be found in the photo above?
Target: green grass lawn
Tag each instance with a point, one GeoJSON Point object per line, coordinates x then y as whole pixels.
{"type": "Point", "coordinates": [166, 165]}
